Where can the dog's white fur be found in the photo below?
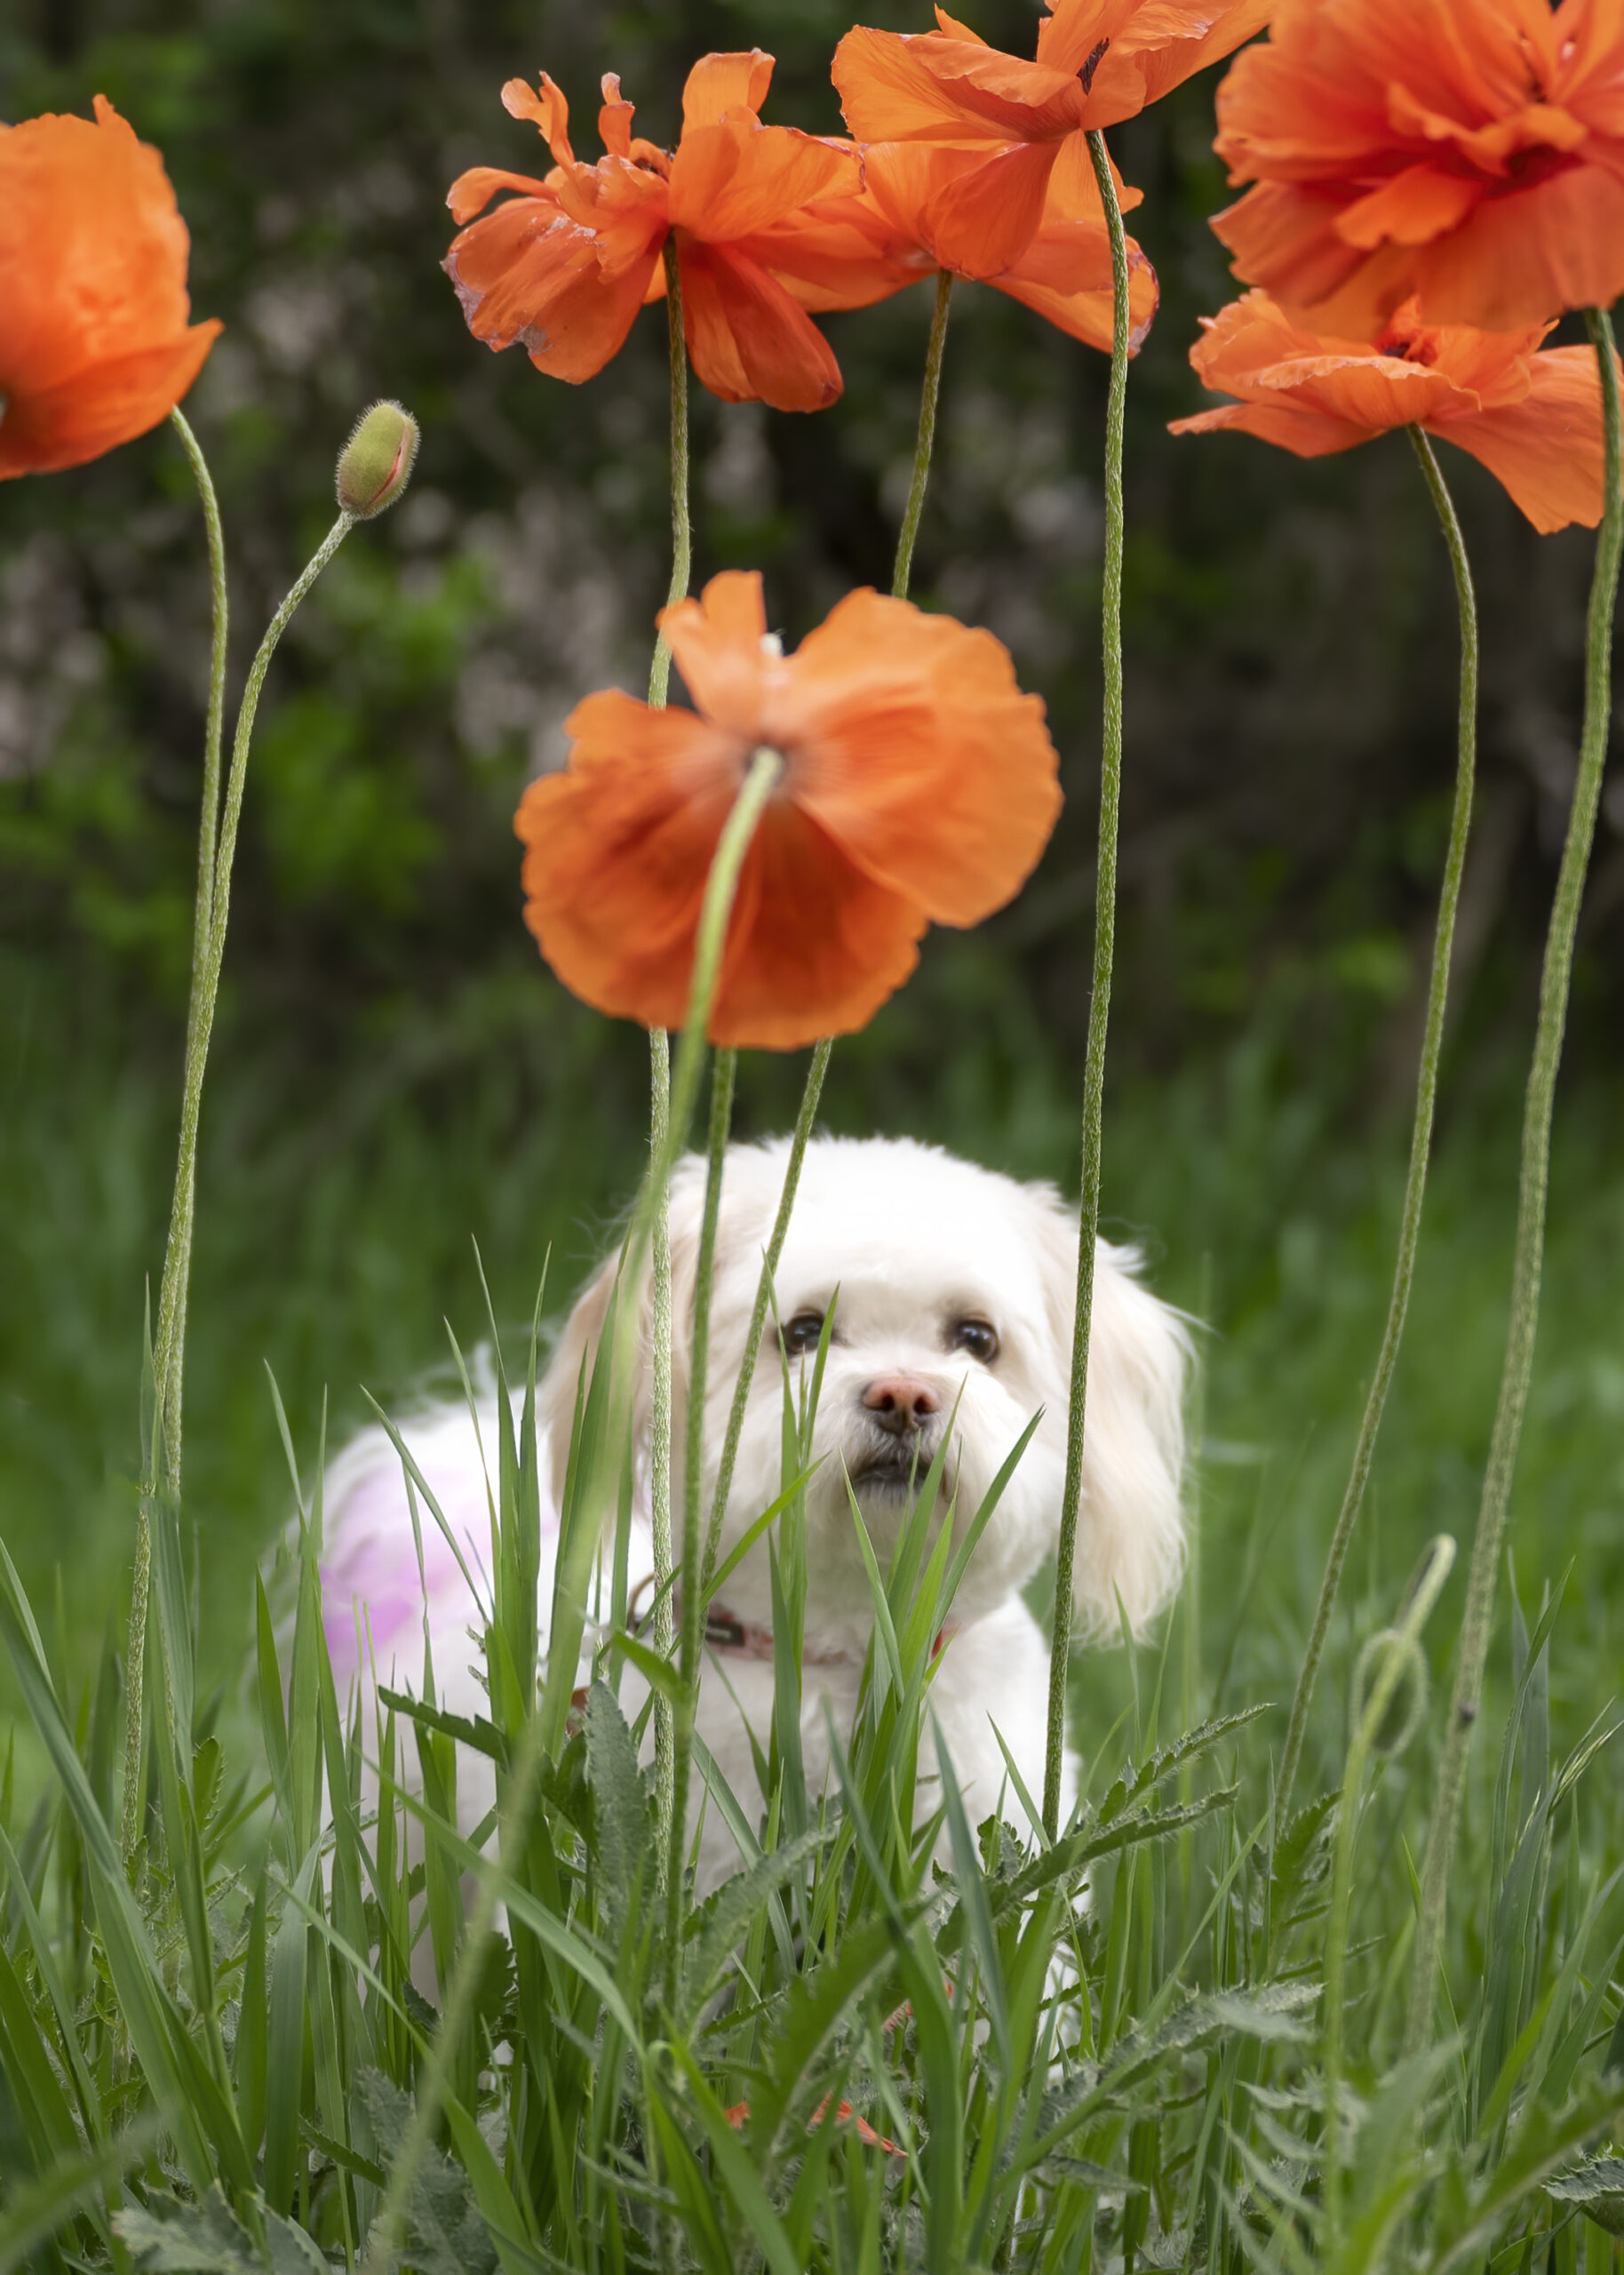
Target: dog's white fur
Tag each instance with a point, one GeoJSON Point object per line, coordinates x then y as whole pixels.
{"type": "Point", "coordinates": [914, 1242]}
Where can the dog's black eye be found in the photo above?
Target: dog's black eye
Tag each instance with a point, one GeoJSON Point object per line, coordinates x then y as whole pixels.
{"type": "Point", "coordinates": [802, 1333]}
{"type": "Point", "coordinates": [976, 1336]}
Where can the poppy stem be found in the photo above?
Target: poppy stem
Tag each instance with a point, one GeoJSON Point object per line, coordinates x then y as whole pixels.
{"type": "Point", "coordinates": [660, 1434]}
{"type": "Point", "coordinates": [1391, 1659]}
{"type": "Point", "coordinates": [1099, 1007]}
{"type": "Point", "coordinates": [1421, 1137]}
{"type": "Point", "coordinates": [682, 528]}
{"type": "Point", "coordinates": [798, 1141]}
{"type": "Point", "coordinates": [1532, 1181]}
{"type": "Point", "coordinates": [926, 442]}
{"type": "Point", "coordinates": [168, 1353]}
{"type": "Point", "coordinates": [659, 1069]}
{"type": "Point", "coordinates": [722, 1076]}
{"type": "Point", "coordinates": [762, 777]}
{"type": "Point", "coordinates": [178, 1249]}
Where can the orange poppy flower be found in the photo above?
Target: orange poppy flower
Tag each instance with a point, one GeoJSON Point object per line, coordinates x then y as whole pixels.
{"type": "Point", "coordinates": [1467, 153]}
{"type": "Point", "coordinates": [1531, 415]}
{"type": "Point", "coordinates": [95, 344]}
{"type": "Point", "coordinates": [757, 213]}
{"type": "Point", "coordinates": [1065, 272]}
{"type": "Point", "coordinates": [918, 786]}
{"type": "Point", "coordinates": [1098, 61]}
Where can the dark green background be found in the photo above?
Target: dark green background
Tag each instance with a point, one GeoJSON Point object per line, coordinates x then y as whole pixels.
{"type": "Point", "coordinates": [393, 1069]}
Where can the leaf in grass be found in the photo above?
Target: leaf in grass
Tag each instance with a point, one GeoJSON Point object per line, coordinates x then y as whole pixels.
{"type": "Point", "coordinates": [720, 1921]}
{"type": "Point", "coordinates": [1135, 1782]}
{"type": "Point", "coordinates": [624, 1831]}
{"type": "Point", "coordinates": [1272, 2011]}
{"type": "Point", "coordinates": [478, 1736]}
{"type": "Point", "coordinates": [208, 2238]}
{"type": "Point", "coordinates": [1597, 2188]}
{"type": "Point", "coordinates": [448, 2235]}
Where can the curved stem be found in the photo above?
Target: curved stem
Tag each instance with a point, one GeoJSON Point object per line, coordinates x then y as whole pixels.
{"type": "Point", "coordinates": [659, 1133]}
{"type": "Point", "coordinates": [1403, 1658]}
{"type": "Point", "coordinates": [178, 1258]}
{"type": "Point", "coordinates": [1534, 1178]}
{"type": "Point", "coordinates": [1099, 1007]}
{"type": "Point", "coordinates": [925, 441]}
{"type": "Point", "coordinates": [693, 1483]}
{"type": "Point", "coordinates": [681, 528]}
{"type": "Point", "coordinates": [659, 1432]}
{"type": "Point", "coordinates": [1421, 1136]}
{"type": "Point", "coordinates": [799, 1140]}
{"type": "Point", "coordinates": [167, 1355]}
{"type": "Point", "coordinates": [766, 770]}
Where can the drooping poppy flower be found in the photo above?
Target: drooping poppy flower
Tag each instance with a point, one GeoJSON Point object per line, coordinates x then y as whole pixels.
{"type": "Point", "coordinates": [918, 786]}
{"type": "Point", "coordinates": [1099, 62]}
{"type": "Point", "coordinates": [96, 342]}
{"type": "Point", "coordinates": [1531, 415]}
{"type": "Point", "coordinates": [1065, 272]}
{"type": "Point", "coordinates": [1466, 153]}
{"type": "Point", "coordinates": [757, 214]}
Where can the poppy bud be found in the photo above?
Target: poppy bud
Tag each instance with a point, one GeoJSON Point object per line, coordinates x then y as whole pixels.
{"type": "Point", "coordinates": [374, 465]}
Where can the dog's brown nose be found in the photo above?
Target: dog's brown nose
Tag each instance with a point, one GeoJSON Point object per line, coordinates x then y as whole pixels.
{"type": "Point", "coordinates": [899, 1403]}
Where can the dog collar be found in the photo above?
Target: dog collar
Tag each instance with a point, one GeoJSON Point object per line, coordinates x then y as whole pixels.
{"type": "Point", "coordinates": [739, 1639]}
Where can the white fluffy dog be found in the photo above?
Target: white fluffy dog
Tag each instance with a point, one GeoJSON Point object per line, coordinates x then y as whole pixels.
{"type": "Point", "coordinates": [952, 1289]}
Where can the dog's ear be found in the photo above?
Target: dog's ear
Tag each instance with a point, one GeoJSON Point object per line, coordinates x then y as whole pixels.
{"type": "Point", "coordinates": [575, 1354]}
{"type": "Point", "coordinates": [1130, 1542]}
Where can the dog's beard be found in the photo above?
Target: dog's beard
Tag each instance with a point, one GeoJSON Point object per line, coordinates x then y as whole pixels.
{"type": "Point", "coordinates": [889, 1473]}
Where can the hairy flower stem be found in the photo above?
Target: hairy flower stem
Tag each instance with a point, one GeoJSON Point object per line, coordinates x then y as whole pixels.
{"type": "Point", "coordinates": [178, 1258]}
{"type": "Point", "coordinates": [766, 769]}
{"type": "Point", "coordinates": [927, 437]}
{"type": "Point", "coordinates": [168, 1355]}
{"type": "Point", "coordinates": [1099, 1007]}
{"type": "Point", "coordinates": [798, 1140]}
{"type": "Point", "coordinates": [1421, 1136]}
{"type": "Point", "coordinates": [1395, 1656]}
{"type": "Point", "coordinates": [659, 1131]}
{"type": "Point", "coordinates": [682, 528]}
{"type": "Point", "coordinates": [1534, 1178]}
{"type": "Point", "coordinates": [723, 1077]}
{"type": "Point", "coordinates": [659, 1432]}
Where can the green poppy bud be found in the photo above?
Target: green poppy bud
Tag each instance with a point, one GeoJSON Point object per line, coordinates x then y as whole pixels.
{"type": "Point", "coordinates": [374, 465]}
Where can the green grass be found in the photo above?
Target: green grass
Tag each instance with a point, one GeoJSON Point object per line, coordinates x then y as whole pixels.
{"type": "Point", "coordinates": [336, 1240]}
{"type": "Point", "coordinates": [220, 2062]}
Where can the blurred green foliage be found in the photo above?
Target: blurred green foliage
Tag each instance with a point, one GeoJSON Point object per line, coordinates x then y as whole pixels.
{"type": "Point", "coordinates": [393, 1070]}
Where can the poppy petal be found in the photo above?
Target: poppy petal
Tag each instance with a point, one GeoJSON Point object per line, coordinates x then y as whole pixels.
{"type": "Point", "coordinates": [815, 946]}
{"type": "Point", "coordinates": [720, 83]}
{"type": "Point", "coordinates": [748, 341]}
{"type": "Point", "coordinates": [472, 192]}
{"type": "Point", "coordinates": [731, 178]}
{"type": "Point", "coordinates": [547, 109]}
{"type": "Point", "coordinates": [913, 746]}
{"type": "Point", "coordinates": [981, 222]}
{"type": "Point", "coordinates": [527, 275]}
{"type": "Point", "coordinates": [1415, 206]}
{"type": "Point", "coordinates": [1546, 450]}
{"type": "Point", "coordinates": [615, 118]}
{"type": "Point", "coordinates": [96, 343]}
{"type": "Point", "coordinates": [1065, 276]}
{"type": "Point", "coordinates": [716, 643]}
{"type": "Point", "coordinates": [100, 407]}
{"type": "Point", "coordinates": [840, 252]}
{"type": "Point", "coordinates": [1305, 434]}
{"type": "Point", "coordinates": [635, 820]}
{"type": "Point", "coordinates": [927, 87]}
